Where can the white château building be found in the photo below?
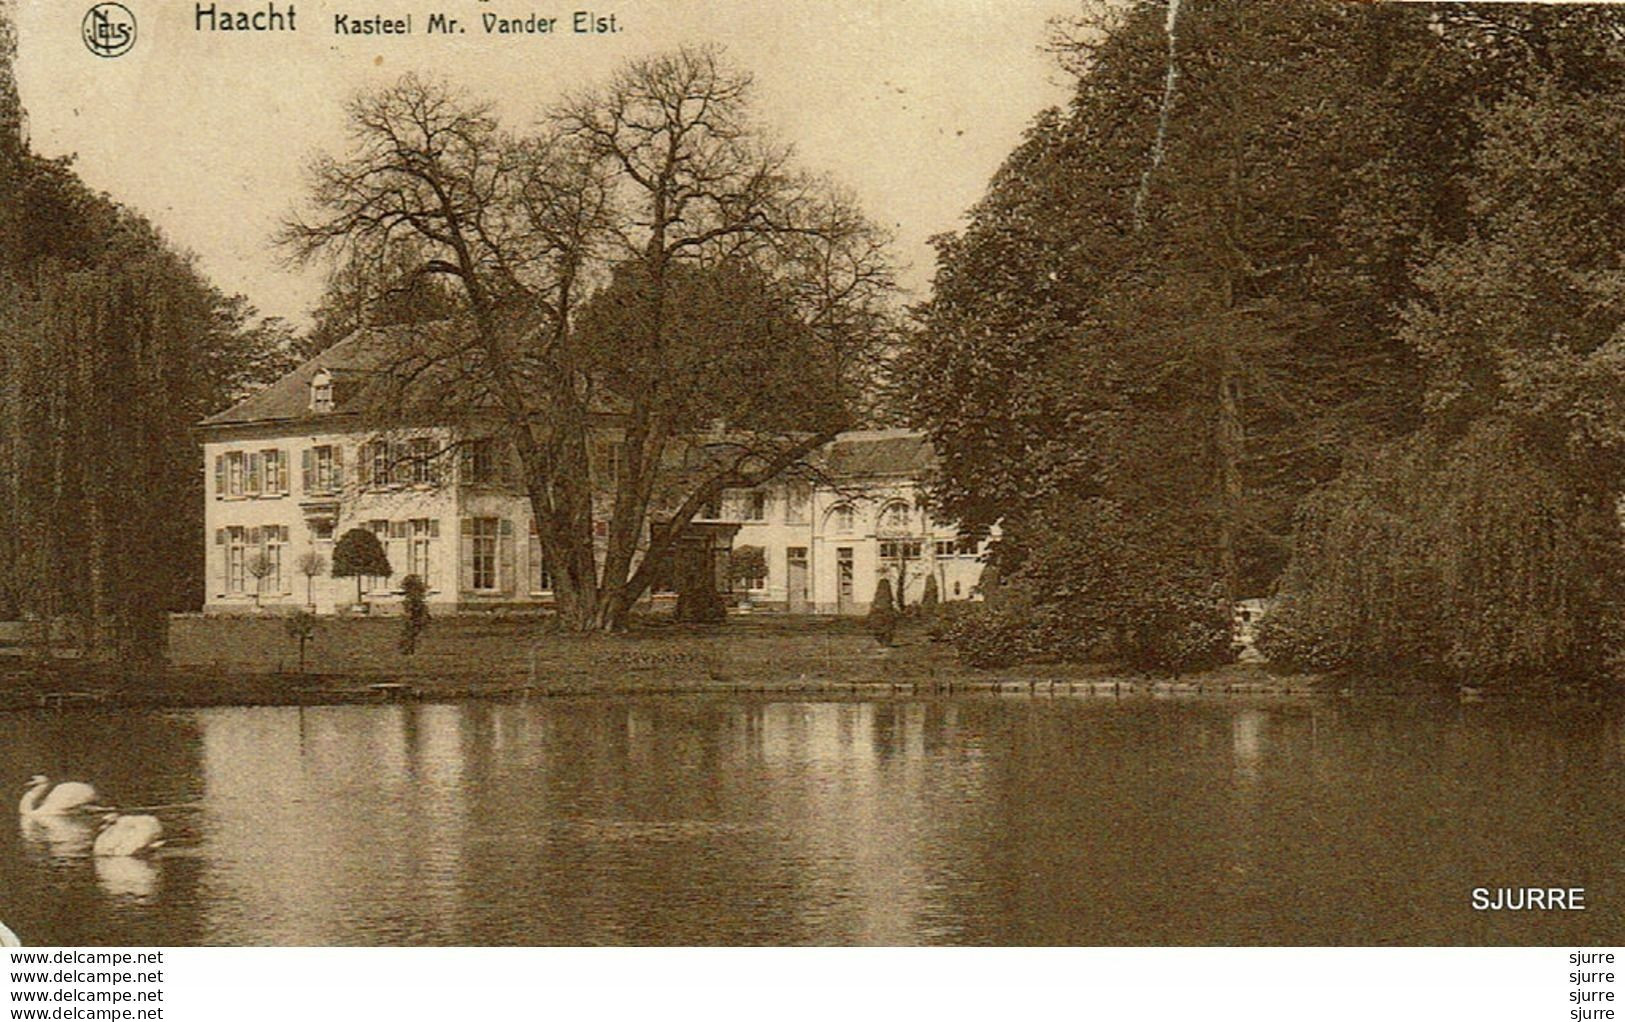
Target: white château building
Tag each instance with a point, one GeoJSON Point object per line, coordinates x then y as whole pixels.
{"type": "Point", "coordinates": [828, 540]}
{"type": "Point", "coordinates": [294, 466]}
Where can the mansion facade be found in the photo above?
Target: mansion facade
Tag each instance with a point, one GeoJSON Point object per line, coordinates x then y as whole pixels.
{"type": "Point", "coordinates": [292, 468]}
{"type": "Point", "coordinates": [827, 541]}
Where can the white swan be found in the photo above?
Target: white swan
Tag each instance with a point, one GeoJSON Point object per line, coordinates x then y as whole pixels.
{"type": "Point", "coordinates": [128, 835]}
{"type": "Point", "coordinates": [67, 797]}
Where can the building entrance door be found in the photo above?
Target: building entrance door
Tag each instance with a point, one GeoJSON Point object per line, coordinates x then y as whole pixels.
{"type": "Point", "coordinates": [796, 579]}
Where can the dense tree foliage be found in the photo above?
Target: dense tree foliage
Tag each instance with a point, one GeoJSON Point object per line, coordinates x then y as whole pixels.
{"type": "Point", "coordinates": [111, 347]}
{"type": "Point", "coordinates": [1488, 546]}
{"type": "Point", "coordinates": [1195, 310]}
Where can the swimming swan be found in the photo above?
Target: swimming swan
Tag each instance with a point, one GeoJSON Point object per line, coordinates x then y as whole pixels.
{"type": "Point", "coordinates": [128, 835]}
{"type": "Point", "coordinates": [67, 797]}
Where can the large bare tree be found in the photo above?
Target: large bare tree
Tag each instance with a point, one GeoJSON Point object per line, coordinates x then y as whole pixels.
{"type": "Point", "coordinates": [647, 251]}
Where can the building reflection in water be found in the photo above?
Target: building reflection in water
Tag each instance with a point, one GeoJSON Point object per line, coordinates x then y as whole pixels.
{"type": "Point", "coordinates": [326, 825]}
{"type": "Point", "coordinates": [861, 798]}
{"type": "Point", "coordinates": [581, 823]}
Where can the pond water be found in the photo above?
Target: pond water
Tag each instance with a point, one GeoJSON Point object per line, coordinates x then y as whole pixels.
{"type": "Point", "coordinates": [975, 820]}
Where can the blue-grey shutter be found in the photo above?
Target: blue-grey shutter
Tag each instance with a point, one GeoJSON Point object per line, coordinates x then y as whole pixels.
{"type": "Point", "coordinates": [505, 556]}
{"type": "Point", "coordinates": [465, 556]}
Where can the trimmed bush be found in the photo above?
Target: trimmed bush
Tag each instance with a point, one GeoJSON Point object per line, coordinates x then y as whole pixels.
{"type": "Point", "coordinates": [882, 619]}
{"type": "Point", "coordinates": [415, 613]}
{"type": "Point", "coordinates": [359, 555]}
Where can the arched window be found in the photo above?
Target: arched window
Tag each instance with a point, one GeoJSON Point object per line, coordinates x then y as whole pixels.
{"type": "Point", "coordinates": [896, 519]}
{"type": "Point", "coordinates": [841, 519]}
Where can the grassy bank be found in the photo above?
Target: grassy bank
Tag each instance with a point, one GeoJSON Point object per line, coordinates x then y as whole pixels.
{"type": "Point", "coordinates": [249, 661]}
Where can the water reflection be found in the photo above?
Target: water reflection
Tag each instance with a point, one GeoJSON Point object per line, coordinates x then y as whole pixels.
{"type": "Point", "coordinates": [698, 821]}
{"type": "Point", "coordinates": [124, 876]}
{"type": "Point", "coordinates": [63, 837]}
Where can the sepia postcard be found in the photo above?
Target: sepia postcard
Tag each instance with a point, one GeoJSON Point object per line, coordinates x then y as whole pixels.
{"type": "Point", "coordinates": [855, 473]}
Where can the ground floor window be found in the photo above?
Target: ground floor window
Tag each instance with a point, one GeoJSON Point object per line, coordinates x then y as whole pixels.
{"type": "Point", "coordinates": [483, 538]}
{"type": "Point", "coordinates": [420, 554]}
{"type": "Point", "coordinates": [255, 559]}
{"type": "Point", "coordinates": [274, 548]}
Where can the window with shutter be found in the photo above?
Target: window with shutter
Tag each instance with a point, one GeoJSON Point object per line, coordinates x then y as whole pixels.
{"type": "Point", "coordinates": [483, 542]}
{"type": "Point", "coordinates": [465, 556]}
{"type": "Point", "coordinates": [307, 470]}
{"type": "Point", "coordinates": [421, 455]}
{"type": "Point", "coordinates": [219, 476]}
{"type": "Point", "coordinates": [275, 482]}
{"type": "Point", "coordinates": [506, 567]}
{"type": "Point", "coordinates": [381, 467]}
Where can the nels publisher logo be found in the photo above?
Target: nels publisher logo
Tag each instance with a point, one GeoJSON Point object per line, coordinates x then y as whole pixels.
{"type": "Point", "coordinates": [109, 30]}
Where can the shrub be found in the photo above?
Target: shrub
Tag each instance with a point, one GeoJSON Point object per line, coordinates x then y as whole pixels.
{"type": "Point", "coordinates": [882, 619]}
{"type": "Point", "coordinates": [259, 568]}
{"type": "Point", "coordinates": [301, 626]}
{"type": "Point", "coordinates": [1090, 583]}
{"type": "Point", "coordinates": [746, 563]}
{"type": "Point", "coordinates": [1018, 631]}
{"type": "Point", "coordinates": [415, 613]}
{"type": "Point", "coordinates": [358, 555]}
{"type": "Point", "coordinates": [930, 598]}
{"type": "Point", "coordinates": [311, 564]}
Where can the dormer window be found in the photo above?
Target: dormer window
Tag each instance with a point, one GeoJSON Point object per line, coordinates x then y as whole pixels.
{"type": "Point", "coordinates": [321, 392]}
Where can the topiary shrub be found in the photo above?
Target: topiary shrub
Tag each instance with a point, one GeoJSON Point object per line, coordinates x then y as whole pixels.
{"type": "Point", "coordinates": [930, 599]}
{"type": "Point", "coordinates": [301, 627]}
{"type": "Point", "coordinates": [415, 613]}
{"type": "Point", "coordinates": [358, 555]}
{"type": "Point", "coordinates": [882, 619]}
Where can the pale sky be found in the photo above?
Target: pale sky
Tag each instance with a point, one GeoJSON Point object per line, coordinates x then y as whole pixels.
{"type": "Point", "coordinates": [911, 103]}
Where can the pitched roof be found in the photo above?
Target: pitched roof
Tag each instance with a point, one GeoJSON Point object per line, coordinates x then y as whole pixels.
{"type": "Point", "coordinates": [429, 352]}
{"type": "Point", "coordinates": [288, 399]}
{"type": "Point", "coordinates": [880, 452]}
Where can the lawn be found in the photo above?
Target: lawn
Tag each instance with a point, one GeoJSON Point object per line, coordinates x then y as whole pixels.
{"type": "Point", "coordinates": [527, 650]}
{"type": "Point", "coordinates": [252, 660]}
